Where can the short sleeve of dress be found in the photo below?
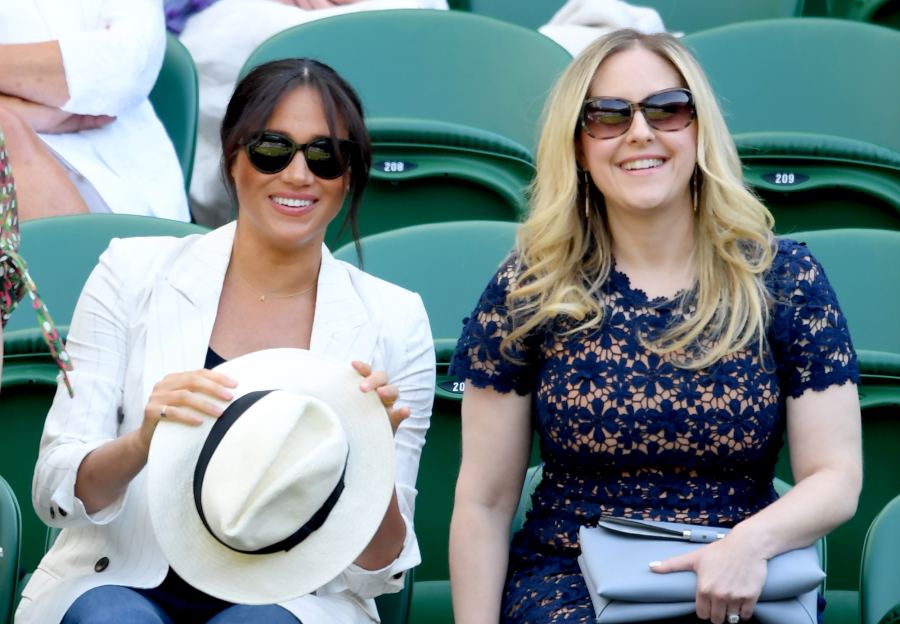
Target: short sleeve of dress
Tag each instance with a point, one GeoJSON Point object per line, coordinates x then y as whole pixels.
{"type": "Point", "coordinates": [478, 357]}
{"type": "Point", "coordinates": [809, 338]}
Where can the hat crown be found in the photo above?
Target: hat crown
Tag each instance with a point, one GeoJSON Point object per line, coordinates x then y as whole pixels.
{"type": "Point", "coordinates": [273, 469]}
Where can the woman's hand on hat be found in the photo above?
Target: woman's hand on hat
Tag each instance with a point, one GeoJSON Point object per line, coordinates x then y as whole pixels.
{"type": "Point", "coordinates": [179, 396]}
{"type": "Point", "coordinates": [388, 393]}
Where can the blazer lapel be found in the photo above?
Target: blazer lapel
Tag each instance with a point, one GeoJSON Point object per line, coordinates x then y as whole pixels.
{"type": "Point", "coordinates": [341, 327]}
{"type": "Point", "coordinates": [183, 306]}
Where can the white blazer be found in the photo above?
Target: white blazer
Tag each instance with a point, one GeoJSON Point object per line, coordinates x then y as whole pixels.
{"type": "Point", "coordinates": [147, 310]}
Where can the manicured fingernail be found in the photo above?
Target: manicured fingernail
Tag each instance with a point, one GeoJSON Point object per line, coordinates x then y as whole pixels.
{"type": "Point", "coordinates": [655, 564]}
{"type": "Point", "coordinates": [364, 387]}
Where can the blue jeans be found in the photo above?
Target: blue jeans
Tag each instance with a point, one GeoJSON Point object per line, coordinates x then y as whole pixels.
{"type": "Point", "coordinates": [113, 604]}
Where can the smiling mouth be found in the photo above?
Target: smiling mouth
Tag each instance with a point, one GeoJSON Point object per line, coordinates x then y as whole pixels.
{"type": "Point", "coordinates": [292, 203]}
{"type": "Point", "coordinates": [643, 163]}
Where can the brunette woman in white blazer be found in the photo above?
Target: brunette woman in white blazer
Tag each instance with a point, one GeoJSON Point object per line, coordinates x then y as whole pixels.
{"type": "Point", "coordinates": [157, 313]}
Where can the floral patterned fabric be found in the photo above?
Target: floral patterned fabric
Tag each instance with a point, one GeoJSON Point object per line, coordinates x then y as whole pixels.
{"type": "Point", "coordinates": [624, 432]}
{"type": "Point", "coordinates": [15, 282]}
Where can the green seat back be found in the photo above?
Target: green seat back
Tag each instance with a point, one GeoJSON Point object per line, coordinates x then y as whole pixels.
{"type": "Point", "coordinates": [61, 252]}
{"type": "Point", "coordinates": [880, 572]}
{"type": "Point", "coordinates": [10, 532]}
{"type": "Point", "coordinates": [804, 75]}
{"type": "Point", "coordinates": [863, 267]}
{"type": "Point", "coordinates": [448, 264]}
{"type": "Point", "coordinates": [428, 171]}
{"type": "Point", "coordinates": [453, 120]}
{"type": "Point", "coordinates": [175, 100]}
{"type": "Point", "coordinates": [446, 66]}
{"type": "Point", "coordinates": [806, 106]}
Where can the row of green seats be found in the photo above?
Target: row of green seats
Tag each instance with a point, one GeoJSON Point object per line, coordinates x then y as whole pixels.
{"type": "Point", "coordinates": [807, 108]}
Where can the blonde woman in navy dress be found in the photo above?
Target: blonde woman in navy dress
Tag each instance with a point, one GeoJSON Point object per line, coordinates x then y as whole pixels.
{"type": "Point", "coordinates": [660, 340]}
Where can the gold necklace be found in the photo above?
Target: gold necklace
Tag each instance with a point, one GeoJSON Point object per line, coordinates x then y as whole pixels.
{"type": "Point", "coordinates": [262, 295]}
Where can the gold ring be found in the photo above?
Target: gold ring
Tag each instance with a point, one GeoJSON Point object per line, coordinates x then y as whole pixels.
{"type": "Point", "coordinates": [162, 412]}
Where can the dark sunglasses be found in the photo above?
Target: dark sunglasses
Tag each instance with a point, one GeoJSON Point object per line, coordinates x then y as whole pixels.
{"type": "Point", "coordinates": [271, 152]}
{"type": "Point", "coordinates": [608, 117]}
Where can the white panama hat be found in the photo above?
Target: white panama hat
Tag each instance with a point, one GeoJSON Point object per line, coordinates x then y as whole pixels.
{"type": "Point", "coordinates": [281, 493]}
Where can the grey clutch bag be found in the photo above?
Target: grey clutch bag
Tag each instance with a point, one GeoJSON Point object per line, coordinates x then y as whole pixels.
{"type": "Point", "coordinates": [614, 562]}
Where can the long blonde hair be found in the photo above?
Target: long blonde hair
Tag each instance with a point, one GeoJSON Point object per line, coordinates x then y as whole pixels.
{"type": "Point", "coordinates": [566, 258]}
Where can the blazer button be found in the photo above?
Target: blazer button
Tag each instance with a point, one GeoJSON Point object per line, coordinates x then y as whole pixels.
{"type": "Point", "coordinates": [102, 564]}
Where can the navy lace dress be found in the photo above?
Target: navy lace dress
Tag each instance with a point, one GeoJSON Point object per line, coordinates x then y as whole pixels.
{"type": "Point", "coordinates": [624, 432]}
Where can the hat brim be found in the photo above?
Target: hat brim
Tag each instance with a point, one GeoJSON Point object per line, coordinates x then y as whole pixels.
{"type": "Point", "coordinates": [242, 578]}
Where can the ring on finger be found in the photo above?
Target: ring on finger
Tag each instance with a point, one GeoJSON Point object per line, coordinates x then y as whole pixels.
{"type": "Point", "coordinates": [733, 618]}
{"type": "Point", "coordinates": [162, 412]}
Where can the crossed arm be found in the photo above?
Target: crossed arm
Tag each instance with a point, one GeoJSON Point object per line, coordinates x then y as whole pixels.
{"type": "Point", "coordinates": [33, 86]}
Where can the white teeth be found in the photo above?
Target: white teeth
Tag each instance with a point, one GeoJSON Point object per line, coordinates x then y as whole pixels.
{"type": "Point", "coordinates": [292, 203]}
{"type": "Point", "coordinates": [643, 163]}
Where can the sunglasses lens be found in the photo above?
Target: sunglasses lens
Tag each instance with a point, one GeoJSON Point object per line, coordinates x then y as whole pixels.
{"type": "Point", "coordinates": [669, 111]}
{"type": "Point", "coordinates": [324, 161]}
{"type": "Point", "coordinates": [606, 117]}
{"type": "Point", "coordinates": [270, 153]}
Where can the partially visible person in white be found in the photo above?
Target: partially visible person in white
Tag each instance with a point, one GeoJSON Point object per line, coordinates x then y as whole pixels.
{"type": "Point", "coordinates": [220, 38]}
{"type": "Point", "coordinates": [579, 22]}
{"type": "Point", "coordinates": [82, 135]}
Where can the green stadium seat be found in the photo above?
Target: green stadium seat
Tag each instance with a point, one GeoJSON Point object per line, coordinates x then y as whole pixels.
{"type": "Point", "coordinates": [810, 116]}
{"type": "Point", "coordinates": [62, 251]}
{"type": "Point", "coordinates": [447, 263]}
{"type": "Point", "coordinates": [175, 100]}
{"type": "Point", "coordinates": [10, 534]}
{"type": "Point", "coordinates": [853, 259]}
{"type": "Point", "coordinates": [879, 586]}
{"type": "Point", "coordinates": [453, 120]}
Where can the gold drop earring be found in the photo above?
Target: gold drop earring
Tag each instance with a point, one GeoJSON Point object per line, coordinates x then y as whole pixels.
{"type": "Point", "coordinates": [587, 197]}
{"type": "Point", "coordinates": [696, 181]}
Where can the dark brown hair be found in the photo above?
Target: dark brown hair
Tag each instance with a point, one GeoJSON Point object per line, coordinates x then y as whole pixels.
{"type": "Point", "coordinates": [256, 97]}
